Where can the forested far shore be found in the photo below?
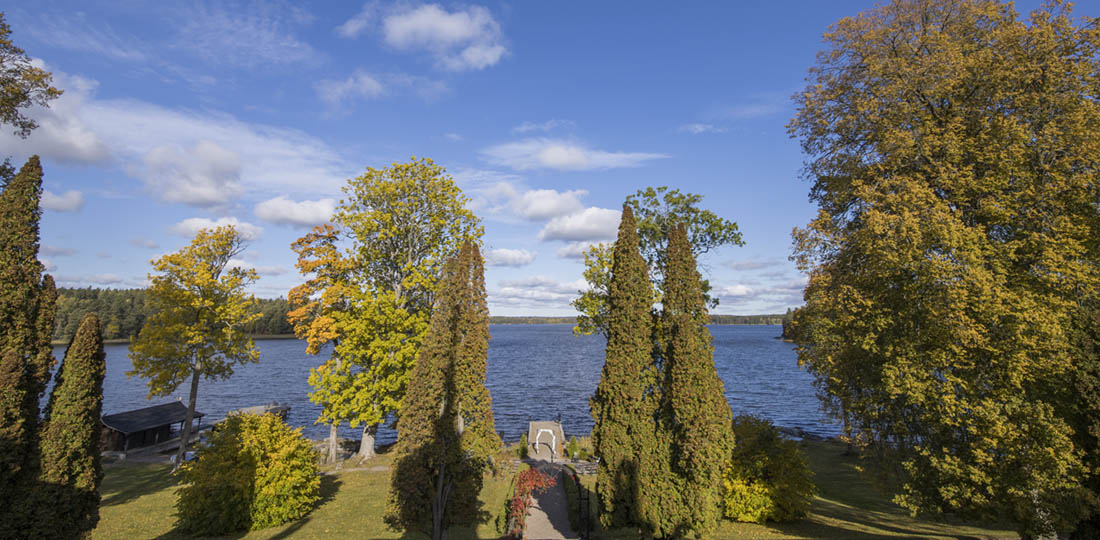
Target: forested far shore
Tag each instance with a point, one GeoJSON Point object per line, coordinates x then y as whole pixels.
{"type": "Point", "coordinates": [123, 312]}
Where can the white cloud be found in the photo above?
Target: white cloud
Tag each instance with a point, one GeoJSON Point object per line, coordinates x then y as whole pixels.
{"type": "Point", "coordinates": [591, 224]}
{"type": "Point", "coordinates": [548, 125]}
{"type": "Point", "coordinates": [298, 213]}
{"type": "Point", "coordinates": [95, 279]}
{"type": "Point", "coordinates": [54, 251]}
{"type": "Point", "coordinates": [536, 292]}
{"type": "Point", "coordinates": [260, 35]}
{"type": "Point", "coordinates": [70, 201]}
{"type": "Point", "coordinates": [359, 85]}
{"type": "Point", "coordinates": [453, 137]}
{"type": "Point", "coordinates": [753, 264]}
{"type": "Point", "coordinates": [466, 39]}
{"type": "Point", "coordinates": [144, 242]}
{"type": "Point", "coordinates": [48, 264]}
{"type": "Point", "coordinates": [263, 270]}
{"type": "Point", "coordinates": [541, 204]}
{"type": "Point", "coordinates": [575, 250]}
{"type": "Point", "coordinates": [509, 257]}
{"type": "Point", "coordinates": [699, 129]}
{"type": "Point", "coordinates": [734, 290]}
{"type": "Point", "coordinates": [360, 22]}
{"type": "Point", "coordinates": [203, 175]}
{"type": "Point", "coordinates": [62, 134]}
{"type": "Point", "coordinates": [190, 227]}
{"type": "Point", "coordinates": [75, 33]}
{"type": "Point", "coordinates": [563, 155]}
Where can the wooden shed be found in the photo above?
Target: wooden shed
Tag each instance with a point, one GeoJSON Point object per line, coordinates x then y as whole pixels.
{"type": "Point", "coordinates": [126, 431]}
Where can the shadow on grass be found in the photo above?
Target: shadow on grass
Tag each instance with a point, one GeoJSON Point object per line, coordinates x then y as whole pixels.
{"type": "Point", "coordinates": [128, 482]}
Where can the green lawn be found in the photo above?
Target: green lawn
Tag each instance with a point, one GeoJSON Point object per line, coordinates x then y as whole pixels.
{"type": "Point", "coordinates": [847, 507]}
{"type": "Point", "coordinates": [138, 502]}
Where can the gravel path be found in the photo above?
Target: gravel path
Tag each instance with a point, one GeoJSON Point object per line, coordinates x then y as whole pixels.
{"type": "Point", "coordinates": [549, 517]}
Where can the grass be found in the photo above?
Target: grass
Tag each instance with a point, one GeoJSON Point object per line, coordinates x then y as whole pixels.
{"type": "Point", "coordinates": [139, 502]}
{"type": "Point", "coordinates": [847, 507]}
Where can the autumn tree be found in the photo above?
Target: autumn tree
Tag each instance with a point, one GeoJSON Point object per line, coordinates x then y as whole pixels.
{"type": "Point", "coordinates": [623, 418]}
{"type": "Point", "coordinates": [27, 304]}
{"type": "Point", "coordinates": [402, 223]}
{"type": "Point", "coordinates": [447, 437]}
{"type": "Point", "coordinates": [656, 210]}
{"type": "Point", "coordinates": [22, 84]}
{"type": "Point", "coordinates": [318, 307]}
{"type": "Point", "coordinates": [953, 151]}
{"type": "Point", "coordinates": [67, 497]}
{"type": "Point", "coordinates": [199, 305]}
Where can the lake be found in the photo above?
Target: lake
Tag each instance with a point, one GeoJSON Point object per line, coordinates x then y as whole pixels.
{"type": "Point", "coordinates": [535, 372]}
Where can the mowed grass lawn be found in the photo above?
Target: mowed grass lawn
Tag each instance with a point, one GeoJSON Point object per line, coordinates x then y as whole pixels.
{"type": "Point", "coordinates": [138, 502]}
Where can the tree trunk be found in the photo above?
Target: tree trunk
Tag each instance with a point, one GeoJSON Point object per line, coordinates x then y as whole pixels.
{"type": "Point", "coordinates": [332, 442]}
{"type": "Point", "coordinates": [366, 447]}
{"type": "Point", "coordinates": [185, 436]}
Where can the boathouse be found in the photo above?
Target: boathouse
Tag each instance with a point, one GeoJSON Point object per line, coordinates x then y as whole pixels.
{"type": "Point", "coordinates": [129, 430]}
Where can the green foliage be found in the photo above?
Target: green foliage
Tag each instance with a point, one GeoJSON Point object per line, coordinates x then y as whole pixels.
{"type": "Point", "coordinates": [256, 472]}
{"type": "Point", "coordinates": [573, 448]}
{"type": "Point", "coordinates": [67, 497]}
{"type": "Point", "coordinates": [767, 477]}
{"type": "Point", "coordinates": [22, 84]}
{"type": "Point", "coordinates": [656, 211]}
{"type": "Point", "coordinates": [199, 307]}
{"type": "Point", "coordinates": [447, 437]}
{"type": "Point", "coordinates": [623, 421]}
{"type": "Point", "coordinates": [524, 446]}
{"type": "Point", "coordinates": [953, 151]}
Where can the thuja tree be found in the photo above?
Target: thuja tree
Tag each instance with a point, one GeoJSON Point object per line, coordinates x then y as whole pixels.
{"type": "Point", "coordinates": [446, 436]}
{"type": "Point", "coordinates": [67, 497]}
{"type": "Point", "coordinates": [694, 409]}
{"type": "Point", "coordinates": [27, 304]}
{"type": "Point", "coordinates": [953, 150]}
{"type": "Point", "coordinates": [623, 418]}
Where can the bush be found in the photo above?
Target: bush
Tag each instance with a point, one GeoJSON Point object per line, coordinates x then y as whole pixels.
{"type": "Point", "coordinates": [573, 448]}
{"type": "Point", "coordinates": [256, 472]}
{"type": "Point", "coordinates": [767, 477]}
{"type": "Point", "coordinates": [523, 444]}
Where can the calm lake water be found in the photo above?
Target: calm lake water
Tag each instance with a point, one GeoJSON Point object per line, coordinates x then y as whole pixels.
{"type": "Point", "coordinates": [535, 372]}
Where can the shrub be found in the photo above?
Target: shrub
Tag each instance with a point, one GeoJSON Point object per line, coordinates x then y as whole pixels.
{"type": "Point", "coordinates": [767, 477]}
{"type": "Point", "coordinates": [523, 444]}
{"type": "Point", "coordinates": [256, 472]}
{"type": "Point", "coordinates": [573, 448]}
{"type": "Point", "coordinates": [528, 483]}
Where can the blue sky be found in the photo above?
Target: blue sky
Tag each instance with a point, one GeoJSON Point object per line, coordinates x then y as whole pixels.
{"type": "Point", "coordinates": [178, 116]}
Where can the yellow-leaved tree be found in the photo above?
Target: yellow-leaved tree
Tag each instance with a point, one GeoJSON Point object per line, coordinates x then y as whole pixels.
{"type": "Point", "coordinates": [199, 307]}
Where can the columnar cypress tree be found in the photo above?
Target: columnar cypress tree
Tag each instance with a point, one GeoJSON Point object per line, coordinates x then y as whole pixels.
{"type": "Point", "coordinates": [43, 360]}
{"type": "Point", "coordinates": [700, 416]}
{"type": "Point", "coordinates": [70, 466]}
{"type": "Point", "coordinates": [15, 439]}
{"type": "Point", "coordinates": [446, 434]}
{"type": "Point", "coordinates": [623, 427]}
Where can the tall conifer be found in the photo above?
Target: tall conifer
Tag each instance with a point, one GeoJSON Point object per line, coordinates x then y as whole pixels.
{"type": "Point", "coordinates": [700, 416]}
{"type": "Point", "coordinates": [70, 468]}
{"type": "Point", "coordinates": [15, 439]}
{"type": "Point", "coordinates": [446, 434]}
{"type": "Point", "coordinates": [623, 427]}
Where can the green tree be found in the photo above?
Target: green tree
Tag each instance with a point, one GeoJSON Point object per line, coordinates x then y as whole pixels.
{"type": "Point", "coordinates": [447, 437]}
{"type": "Point", "coordinates": [623, 421]}
{"type": "Point", "coordinates": [22, 84]}
{"type": "Point", "coordinates": [698, 414]}
{"type": "Point", "coordinates": [68, 497]}
{"type": "Point", "coordinates": [953, 150]}
{"type": "Point", "coordinates": [655, 210]}
{"type": "Point", "coordinates": [199, 306]}
{"type": "Point", "coordinates": [403, 222]}
{"type": "Point", "coordinates": [26, 305]}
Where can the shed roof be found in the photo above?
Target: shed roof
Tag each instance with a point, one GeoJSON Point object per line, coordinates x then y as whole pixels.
{"type": "Point", "coordinates": [148, 418]}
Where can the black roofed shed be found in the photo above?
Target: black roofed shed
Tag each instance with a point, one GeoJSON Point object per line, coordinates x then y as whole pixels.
{"type": "Point", "coordinates": [144, 427]}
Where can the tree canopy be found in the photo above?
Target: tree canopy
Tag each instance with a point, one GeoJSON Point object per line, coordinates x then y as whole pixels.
{"type": "Point", "coordinates": [655, 210]}
{"type": "Point", "coordinates": [953, 150]}
{"type": "Point", "coordinates": [22, 84]}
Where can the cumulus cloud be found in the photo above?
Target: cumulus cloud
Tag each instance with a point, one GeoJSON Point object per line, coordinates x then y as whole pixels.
{"type": "Point", "coordinates": [70, 201]}
{"type": "Point", "coordinates": [787, 292]}
{"type": "Point", "coordinates": [62, 134]}
{"type": "Point", "coordinates": [548, 125]}
{"type": "Point", "coordinates": [189, 227]}
{"type": "Point", "coordinates": [466, 39]}
{"type": "Point", "coordinates": [54, 251]}
{"type": "Point", "coordinates": [282, 210]}
{"type": "Point", "coordinates": [699, 129]}
{"type": "Point", "coordinates": [591, 224]}
{"type": "Point", "coordinates": [536, 292]}
{"type": "Point", "coordinates": [509, 257]}
{"type": "Point", "coordinates": [203, 175]}
{"type": "Point", "coordinates": [575, 250]}
{"type": "Point", "coordinates": [360, 22]}
{"type": "Point", "coordinates": [541, 204]}
{"type": "Point", "coordinates": [360, 85]}
{"type": "Point", "coordinates": [541, 153]}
